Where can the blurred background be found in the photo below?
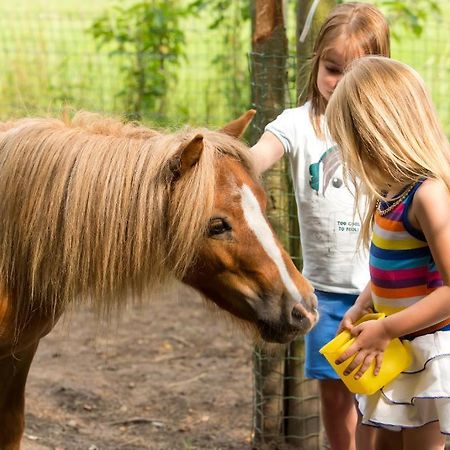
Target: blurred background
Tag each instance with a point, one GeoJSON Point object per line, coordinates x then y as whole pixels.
{"type": "Point", "coordinates": [173, 62]}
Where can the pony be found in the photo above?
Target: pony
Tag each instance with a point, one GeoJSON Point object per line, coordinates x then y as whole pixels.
{"type": "Point", "coordinates": [100, 211]}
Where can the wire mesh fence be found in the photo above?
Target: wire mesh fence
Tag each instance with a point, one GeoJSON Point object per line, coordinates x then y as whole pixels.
{"type": "Point", "coordinates": [50, 59]}
{"type": "Point", "coordinates": [286, 412]}
{"type": "Point", "coordinates": [429, 54]}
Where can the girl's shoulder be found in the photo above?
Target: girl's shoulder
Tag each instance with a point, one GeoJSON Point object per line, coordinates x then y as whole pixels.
{"type": "Point", "coordinates": [292, 121]}
{"type": "Point", "coordinates": [431, 190]}
{"type": "Point", "coordinates": [295, 125]}
{"type": "Point", "coordinates": [432, 198]}
{"type": "Point", "coordinates": [297, 113]}
{"type": "Point", "coordinates": [299, 117]}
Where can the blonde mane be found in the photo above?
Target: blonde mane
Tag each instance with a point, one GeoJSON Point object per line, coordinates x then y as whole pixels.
{"type": "Point", "coordinates": [90, 209]}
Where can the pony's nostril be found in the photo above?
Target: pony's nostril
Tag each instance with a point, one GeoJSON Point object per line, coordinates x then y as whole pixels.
{"type": "Point", "coordinates": [297, 315]}
{"type": "Point", "coordinates": [301, 317]}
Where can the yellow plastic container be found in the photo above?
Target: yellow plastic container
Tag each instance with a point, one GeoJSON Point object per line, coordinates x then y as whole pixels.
{"type": "Point", "coordinates": [397, 357]}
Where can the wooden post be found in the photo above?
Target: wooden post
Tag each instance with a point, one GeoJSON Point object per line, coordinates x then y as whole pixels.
{"type": "Point", "coordinates": [302, 427]}
{"type": "Point", "coordinates": [302, 423]}
{"type": "Point", "coordinates": [269, 82]}
{"type": "Point", "coordinates": [268, 399]}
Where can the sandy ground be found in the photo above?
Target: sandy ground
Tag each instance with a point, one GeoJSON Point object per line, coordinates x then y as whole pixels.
{"type": "Point", "coordinates": [168, 376]}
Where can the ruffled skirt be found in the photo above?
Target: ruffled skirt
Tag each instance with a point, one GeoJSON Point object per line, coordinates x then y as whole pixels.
{"type": "Point", "coordinates": [419, 395]}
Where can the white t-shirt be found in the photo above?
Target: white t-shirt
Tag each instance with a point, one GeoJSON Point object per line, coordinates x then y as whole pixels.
{"type": "Point", "coordinates": [329, 227]}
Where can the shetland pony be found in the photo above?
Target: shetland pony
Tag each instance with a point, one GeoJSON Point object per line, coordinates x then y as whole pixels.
{"type": "Point", "coordinates": [94, 210]}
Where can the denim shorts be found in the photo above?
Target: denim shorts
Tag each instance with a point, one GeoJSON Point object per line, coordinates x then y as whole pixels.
{"type": "Point", "coordinates": [332, 308]}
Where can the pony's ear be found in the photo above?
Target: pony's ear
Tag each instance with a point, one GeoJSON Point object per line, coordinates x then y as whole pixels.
{"type": "Point", "coordinates": [237, 127]}
{"type": "Point", "coordinates": [188, 155]}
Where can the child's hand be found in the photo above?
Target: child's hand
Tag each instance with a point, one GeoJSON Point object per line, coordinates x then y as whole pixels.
{"type": "Point", "coordinates": [350, 317]}
{"type": "Point", "coordinates": [370, 343]}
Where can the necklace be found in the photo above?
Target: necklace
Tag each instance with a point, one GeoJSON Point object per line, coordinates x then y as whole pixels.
{"type": "Point", "coordinates": [395, 202]}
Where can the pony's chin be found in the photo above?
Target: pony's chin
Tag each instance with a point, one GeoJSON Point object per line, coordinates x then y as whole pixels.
{"type": "Point", "coordinates": [285, 339]}
{"type": "Point", "coordinates": [275, 335]}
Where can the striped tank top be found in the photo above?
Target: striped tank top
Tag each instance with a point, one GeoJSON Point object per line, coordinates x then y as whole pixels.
{"type": "Point", "coordinates": [402, 269]}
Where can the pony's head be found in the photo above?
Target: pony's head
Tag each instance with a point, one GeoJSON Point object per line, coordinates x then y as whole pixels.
{"type": "Point", "coordinates": [239, 263]}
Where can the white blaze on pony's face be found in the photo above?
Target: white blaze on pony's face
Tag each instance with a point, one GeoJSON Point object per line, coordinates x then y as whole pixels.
{"type": "Point", "coordinates": [257, 222]}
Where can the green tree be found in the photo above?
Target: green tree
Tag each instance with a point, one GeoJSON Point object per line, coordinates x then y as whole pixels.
{"type": "Point", "coordinates": [148, 39]}
{"type": "Point", "coordinates": [409, 15]}
{"type": "Point", "coordinates": [230, 18]}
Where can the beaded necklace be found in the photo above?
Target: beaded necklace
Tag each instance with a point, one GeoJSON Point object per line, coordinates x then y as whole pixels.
{"type": "Point", "coordinates": [393, 203]}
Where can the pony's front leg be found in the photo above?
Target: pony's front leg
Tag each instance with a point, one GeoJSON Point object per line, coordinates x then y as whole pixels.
{"type": "Point", "coordinates": [13, 376]}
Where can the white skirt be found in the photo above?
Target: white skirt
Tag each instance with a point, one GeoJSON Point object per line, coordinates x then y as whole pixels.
{"type": "Point", "coordinates": [419, 395]}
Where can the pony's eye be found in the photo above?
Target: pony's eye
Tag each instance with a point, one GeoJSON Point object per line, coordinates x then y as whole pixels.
{"type": "Point", "coordinates": [218, 226]}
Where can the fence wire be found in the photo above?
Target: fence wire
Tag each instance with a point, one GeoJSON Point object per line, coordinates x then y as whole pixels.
{"type": "Point", "coordinates": [50, 59]}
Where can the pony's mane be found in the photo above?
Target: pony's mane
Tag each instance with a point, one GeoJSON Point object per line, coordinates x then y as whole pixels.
{"type": "Point", "coordinates": [90, 208]}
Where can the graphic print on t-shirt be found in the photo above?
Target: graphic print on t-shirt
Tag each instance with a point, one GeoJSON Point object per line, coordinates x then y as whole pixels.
{"type": "Point", "coordinates": [327, 180]}
{"type": "Point", "coordinates": [327, 166]}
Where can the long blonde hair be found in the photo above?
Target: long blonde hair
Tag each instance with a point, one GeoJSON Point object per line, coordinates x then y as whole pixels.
{"type": "Point", "coordinates": [387, 129]}
{"type": "Point", "coordinates": [365, 31]}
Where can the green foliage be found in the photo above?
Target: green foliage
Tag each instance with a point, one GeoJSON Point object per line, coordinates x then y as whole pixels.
{"type": "Point", "coordinates": [149, 42]}
{"type": "Point", "coordinates": [408, 15]}
{"type": "Point", "coordinates": [230, 18]}
{"type": "Point", "coordinates": [219, 10]}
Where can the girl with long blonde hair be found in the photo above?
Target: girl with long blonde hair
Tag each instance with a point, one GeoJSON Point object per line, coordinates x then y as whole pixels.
{"type": "Point", "coordinates": [395, 150]}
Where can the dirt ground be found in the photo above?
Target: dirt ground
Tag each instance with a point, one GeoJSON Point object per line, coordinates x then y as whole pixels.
{"type": "Point", "coordinates": [168, 376]}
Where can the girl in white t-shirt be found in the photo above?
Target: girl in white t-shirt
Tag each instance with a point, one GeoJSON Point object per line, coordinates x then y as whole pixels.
{"type": "Point", "coordinates": [328, 226]}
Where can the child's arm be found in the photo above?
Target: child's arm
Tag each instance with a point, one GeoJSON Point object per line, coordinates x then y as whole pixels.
{"type": "Point", "coordinates": [429, 212]}
{"type": "Point", "coordinates": [266, 152]}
